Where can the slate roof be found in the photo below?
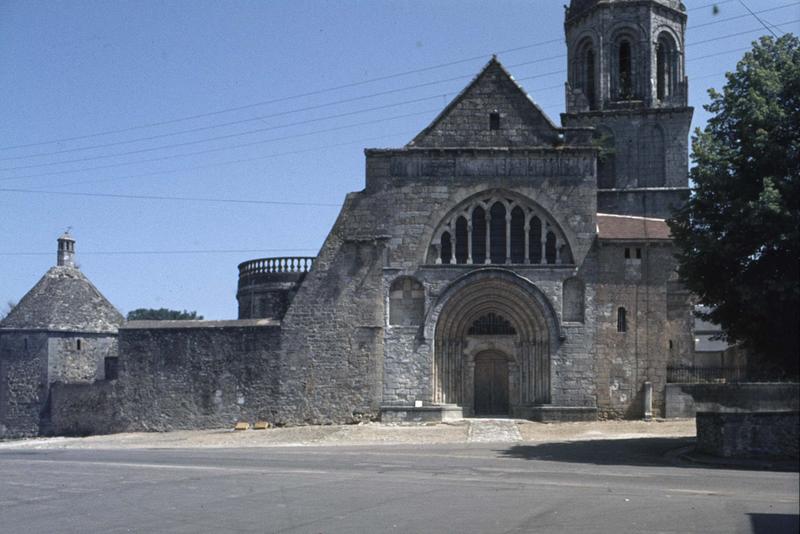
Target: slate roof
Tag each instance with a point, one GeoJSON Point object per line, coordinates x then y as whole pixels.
{"type": "Point", "coordinates": [64, 300]}
{"type": "Point", "coordinates": [629, 227]}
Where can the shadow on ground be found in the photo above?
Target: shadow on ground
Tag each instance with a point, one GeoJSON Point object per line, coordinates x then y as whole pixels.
{"type": "Point", "coordinates": [775, 523]}
{"type": "Point", "coordinates": [677, 452]}
{"type": "Point", "coordinates": [637, 452]}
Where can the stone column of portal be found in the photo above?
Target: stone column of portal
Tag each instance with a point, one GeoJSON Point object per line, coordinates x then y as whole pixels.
{"type": "Point", "coordinates": [488, 237]}
{"type": "Point", "coordinates": [543, 241]}
{"type": "Point", "coordinates": [469, 242]}
{"type": "Point", "coordinates": [508, 237]}
{"type": "Point", "coordinates": [527, 242]}
{"type": "Point", "coordinates": [453, 243]}
{"type": "Point", "coordinates": [648, 401]}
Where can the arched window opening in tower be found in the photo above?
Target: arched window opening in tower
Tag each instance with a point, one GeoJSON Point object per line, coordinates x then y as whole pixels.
{"type": "Point", "coordinates": [666, 67]}
{"type": "Point", "coordinates": [625, 66]}
{"type": "Point", "coordinates": [499, 229]}
{"type": "Point", "coordinates": [589, 86]}
{"type": "Point", "coordinates": [491, 324]}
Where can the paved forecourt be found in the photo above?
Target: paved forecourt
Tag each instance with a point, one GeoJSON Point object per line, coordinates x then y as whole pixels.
{"type": "Point", "coordinates": [612, 485]}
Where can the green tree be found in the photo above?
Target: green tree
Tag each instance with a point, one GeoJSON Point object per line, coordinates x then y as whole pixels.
{"type": "Point", "coordinates": [738, 240]}
{"type": "Point", "coordinates": [162, 314]}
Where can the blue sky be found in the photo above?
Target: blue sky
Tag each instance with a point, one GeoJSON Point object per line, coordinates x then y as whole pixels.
{"type": "Point", "coordinates": [244, 100]}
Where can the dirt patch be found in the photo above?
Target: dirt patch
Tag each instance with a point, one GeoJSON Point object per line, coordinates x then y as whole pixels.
{"type": "Point", "coordinates": [362, 434]}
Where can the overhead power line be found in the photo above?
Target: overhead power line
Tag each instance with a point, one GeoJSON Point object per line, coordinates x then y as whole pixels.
{"type": "Point", "coordinates": [348, 85]}
{"type": "Point", "coordinates": [243, 160]}
{"type": "Point", "coordinates": [758, 19]}
{"type": "Point", "coordinates": [219, 137]}
{"type": "Point", "coordinates": [218, 149]}
{"type": "Point", "coordinates": [283, 99]}
{"type": "Point", "coordinates": [170, 198]}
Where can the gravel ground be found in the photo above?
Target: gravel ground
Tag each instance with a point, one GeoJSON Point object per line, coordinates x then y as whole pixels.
{"type": "Point", "coordinates": [362, 434]}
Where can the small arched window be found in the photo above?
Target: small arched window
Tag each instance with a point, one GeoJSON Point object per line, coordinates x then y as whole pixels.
{"type": "Point", "coordinates": [406, 302]}
{"type": "Point", "coordinates": [622, 320]}
{"type": "Point", "coordinates": [78, 344]}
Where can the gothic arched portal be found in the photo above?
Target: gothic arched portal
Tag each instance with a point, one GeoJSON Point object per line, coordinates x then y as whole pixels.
{"type": "Point", "coordinates": [497, 313]}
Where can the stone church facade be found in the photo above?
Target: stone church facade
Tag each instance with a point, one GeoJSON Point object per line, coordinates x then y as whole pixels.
{"type": "Point", "coordinates": [498, 264]}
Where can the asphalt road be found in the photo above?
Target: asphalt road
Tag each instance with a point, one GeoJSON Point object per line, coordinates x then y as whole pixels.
{"type": "Point", "coordinates": [612, 486]}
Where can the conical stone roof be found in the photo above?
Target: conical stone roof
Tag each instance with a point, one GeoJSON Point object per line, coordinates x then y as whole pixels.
{"type": "Point", "coordinates": [64, 300]}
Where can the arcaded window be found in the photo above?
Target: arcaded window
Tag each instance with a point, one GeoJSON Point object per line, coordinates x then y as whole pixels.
{"type": "Point", "coordinates": [652, 156]}
{"type": "Point", "coordinates": [499, 229]}
{"type": "Point", "coordinates": [406, 302]}
{"type": "Point", "coordinates": [622, 320]}
{"type": "Point", "coordinates": [573, 300]}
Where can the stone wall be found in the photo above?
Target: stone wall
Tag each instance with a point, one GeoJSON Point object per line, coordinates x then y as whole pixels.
{"type": "Point", "coordinates": [79, 358]}
{"type": "Point", "coordinates": [85, 409]}
{"type": "Point", "coordinates": [685, 400]}
{"type": "Point", "coordinates": [625, 360]}
{"type": "Point", "coordinates": [196, 374]}
{"type": "Point", "coordinates": [23, 382]}
{"type": "Point", "coordinates": [754, 434]}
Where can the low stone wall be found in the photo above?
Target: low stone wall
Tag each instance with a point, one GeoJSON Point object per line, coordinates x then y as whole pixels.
{"type": "Point", "coordinates": [758, 434]}
{"type": "Point", "coordinates": [685, 400]}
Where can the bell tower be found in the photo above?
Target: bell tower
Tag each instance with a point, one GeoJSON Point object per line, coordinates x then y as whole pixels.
{"type": "Point", "coordinates": [626, 78]}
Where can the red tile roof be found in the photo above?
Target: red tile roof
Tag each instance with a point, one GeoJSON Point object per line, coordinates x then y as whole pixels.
{"type": "Point", "coordinates": [628, 227]}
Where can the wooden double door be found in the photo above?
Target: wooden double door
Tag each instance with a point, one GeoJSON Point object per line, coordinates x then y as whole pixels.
{"type": "Point", "coordinates": [491, 384]}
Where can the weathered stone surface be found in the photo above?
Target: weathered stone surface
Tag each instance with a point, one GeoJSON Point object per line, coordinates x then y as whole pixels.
{"type": "Point", "coordinates": [751, 434]}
